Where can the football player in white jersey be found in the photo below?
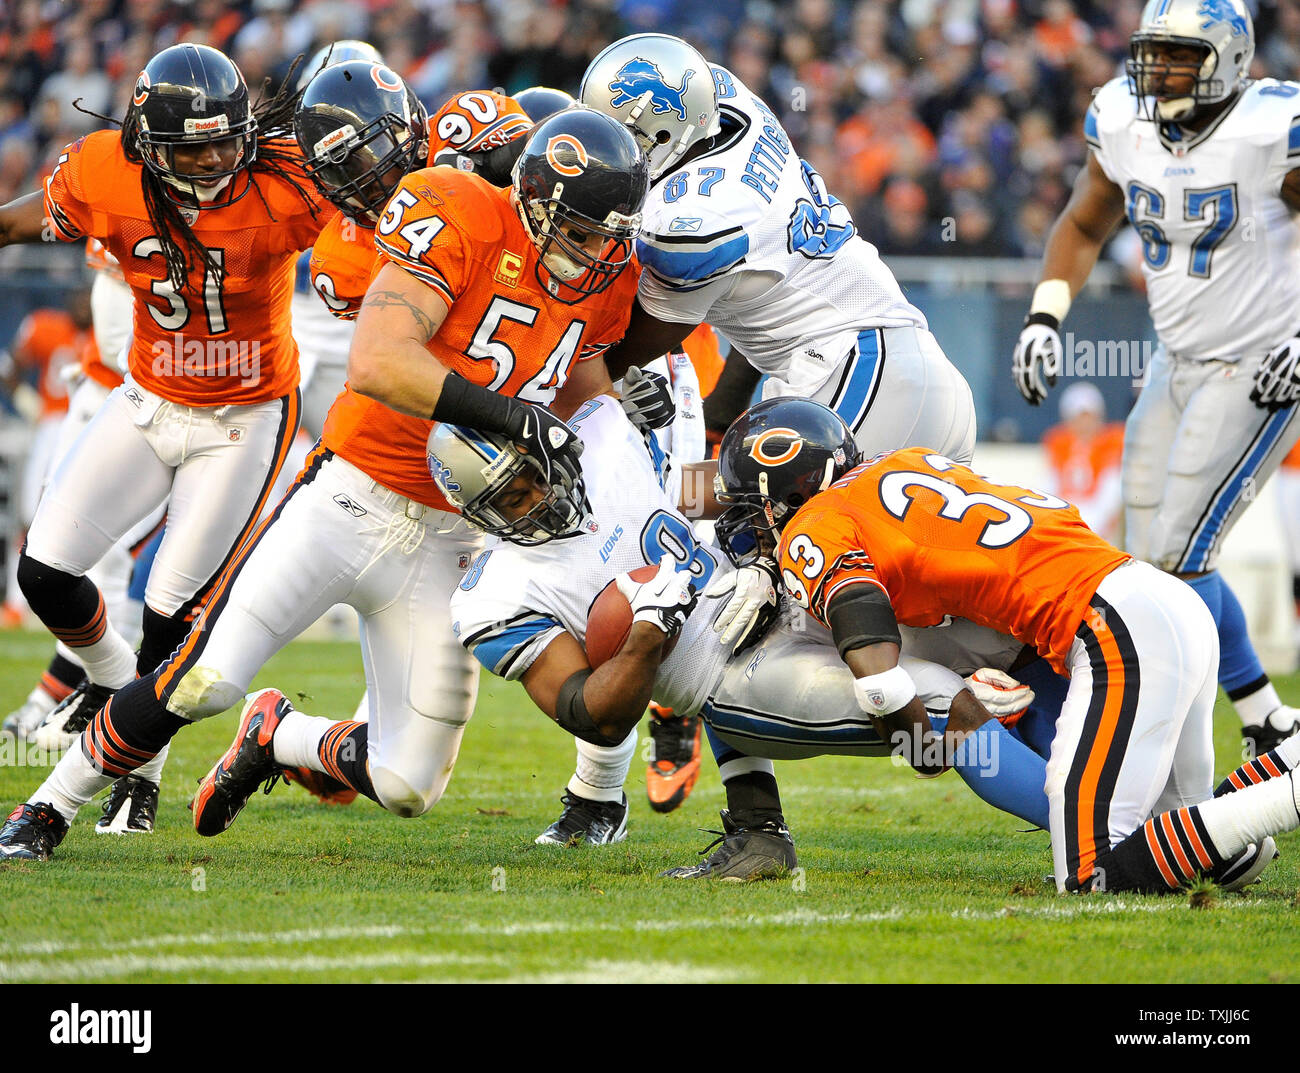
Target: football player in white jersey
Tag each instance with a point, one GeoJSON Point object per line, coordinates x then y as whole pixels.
{"type": "Point", "coordinates": [741, 233]}
{"type": "Point", "coordinates": [522, 609]}
{"type": "Point", "coordinates": [1206, 166]}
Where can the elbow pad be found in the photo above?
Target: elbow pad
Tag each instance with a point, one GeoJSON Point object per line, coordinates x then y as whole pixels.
{"type": "Point", "coordinates": [571, 711]}
{"type": "Point", "coordinates": [862, 615]}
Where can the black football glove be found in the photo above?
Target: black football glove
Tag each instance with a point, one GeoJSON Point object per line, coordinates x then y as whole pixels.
{"type": "Point", "coordinates": [647, 399]}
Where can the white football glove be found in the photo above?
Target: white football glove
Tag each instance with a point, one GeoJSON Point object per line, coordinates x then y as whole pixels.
{"type": "Point", "coordinates": [665, 601]}
{"type": "Point", "coordinates": [1004, 697]}
{"type": "Point", "coordinates": [1037, 361]}
{"type": "Point", "coordinates": [753, 605]}
{"type": "Point", "coordinates": [1277, 384]}
{"type": "Point", "coordinates": [647, 399]}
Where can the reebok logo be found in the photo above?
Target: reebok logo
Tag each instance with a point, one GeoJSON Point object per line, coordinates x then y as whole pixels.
{"type": "Point", "coordinates": [76, 1025]}
{"type": "Point", "coordinates": [352, 508]}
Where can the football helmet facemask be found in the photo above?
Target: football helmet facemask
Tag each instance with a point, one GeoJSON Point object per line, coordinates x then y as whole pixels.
{"type": "Point", "coordinates": [477, 471]}
{"type": "Point", "coordinates": [1221, 33]}
{"type": "Point", "coordinates": [361, 129]}
{"type": "Point", "coordinates": [579, 185]}
{"type": "Point", "coordinates": [775, 457]}
{"type": "Point", "coordinates": [191, 97]}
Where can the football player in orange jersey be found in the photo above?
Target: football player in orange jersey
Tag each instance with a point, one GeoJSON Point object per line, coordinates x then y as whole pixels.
{"type": "Point", "coordinates": [910, 537]}
{"type": "Point", "coordinates": [203, 202]}
{"type": "Point", "coordinates": [364, 523]}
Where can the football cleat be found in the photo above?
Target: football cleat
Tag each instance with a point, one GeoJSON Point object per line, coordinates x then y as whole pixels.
{"type": "Point", "coordinates": [597, 823]}
{"type": "Point", "coordinates": [22, 723]}
{"type": "Point", "coordinates": [31, 832]}
{"type": "Point", "coordinates": [130, 809]}
{"type": "Point", "coordinates": [743, 853]}
{"type": "Point", "coordinates": [675, 763]}
{"type": "Point", "coordinates": [71, 716]}
{"type": "Point", "coordinates": [1245, 868]}
{"type": "Point", "coordinates": [1281, 724]}
{"type": "Point", "coordinates": [248, 763]}
{"type": "Point", "coordinates": [325, 787]}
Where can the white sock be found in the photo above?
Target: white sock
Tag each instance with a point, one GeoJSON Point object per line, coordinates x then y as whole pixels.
{"type": "Point", "coordinates": [745, 765]}
{"type": "Point", "coordinates": [602, 770]}
{"type": "Point", "coordinates": [297, 741]}
{"type": "Point", "coordinates": [1236, 820]}
{"type": "Point", "coordinates": [1289, 751]}
{"type": "Point", "coordinates": [151, 771]}
{"type": "Point", "coordinates": [109, 661]}
{"type": "Point", "coordinates": [72, 783]}
{"type": "Point", "coordinates": [1255, 707]}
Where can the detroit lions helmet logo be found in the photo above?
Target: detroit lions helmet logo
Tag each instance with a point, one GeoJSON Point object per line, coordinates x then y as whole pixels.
{"type": "Point", "coordinates": [638, 76]}
{"type": "Point", "coordinates": [1214, 11]}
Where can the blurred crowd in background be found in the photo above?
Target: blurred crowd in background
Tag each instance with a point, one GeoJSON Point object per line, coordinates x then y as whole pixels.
{"type": "Point", "coordinates": [951, 127]}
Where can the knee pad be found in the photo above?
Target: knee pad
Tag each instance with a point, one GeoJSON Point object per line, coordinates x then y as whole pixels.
{"type": "Point", "coordinates": [52, 592]}
{"type": "Point", "coordinates": [202, 692]}
{"type": "Point", "coordinates": [398, 796]}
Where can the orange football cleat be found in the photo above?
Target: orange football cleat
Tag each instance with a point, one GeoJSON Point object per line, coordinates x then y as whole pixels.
{"type": "Point", "coordinates": [675, 764]}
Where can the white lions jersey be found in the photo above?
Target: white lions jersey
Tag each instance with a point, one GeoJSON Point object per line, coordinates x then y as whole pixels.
{"type": "Point", "coordinates": [1219, 247]}
{"type": "Point", "coordinates": [514, 600]}
{"type": "Point", "coordinates": [747, 238]}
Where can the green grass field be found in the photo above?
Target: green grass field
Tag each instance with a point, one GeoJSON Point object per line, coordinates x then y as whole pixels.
{"type": "Point", "coordinates": [902, 880]}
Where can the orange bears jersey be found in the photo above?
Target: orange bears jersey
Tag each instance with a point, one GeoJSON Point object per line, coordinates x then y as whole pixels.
{"type": "Point", "coordinates": [461, 236]}
{"type": "Point", "coordinates": [1079, 467]}
{"type": "Point", "coordinates": [48, 341]}
{"type": "Point", "coordinates": [215, 343]}
{"type": "Point", "coordinates": [476, 121]}
{"type": "Point", "coordinates": [342, 262]}
{"type": "Point", "coordinates": [940, 540]}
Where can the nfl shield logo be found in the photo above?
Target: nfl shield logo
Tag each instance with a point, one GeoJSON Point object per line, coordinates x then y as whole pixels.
{"type": "Point", "coordinates": [234, 435]}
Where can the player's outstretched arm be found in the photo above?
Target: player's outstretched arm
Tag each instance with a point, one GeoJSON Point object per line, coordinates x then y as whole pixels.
{"type": "Point", "coordinates": [23, 220]}
{"type": "Point", "coordinates": [1096, 206]}
{"type": "Point", "coordinates": [646, 338]}
{"type": "Point", "coordinates": [389, 361]}
{"type": "Point", "coordinates": [600, 706]}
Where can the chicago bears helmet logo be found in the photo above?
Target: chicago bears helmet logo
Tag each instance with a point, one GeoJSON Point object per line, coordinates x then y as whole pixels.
{"type": "Point", "coordinates": [384, 78]}
{"type": "Point", "coordinates": [775, 446]}
{"type": "Point", "coordinates": [142, 87]}
{"type": "Point", "coordinates": [575, 155]}
{"type": "Point", "coordinates": [638, 77]}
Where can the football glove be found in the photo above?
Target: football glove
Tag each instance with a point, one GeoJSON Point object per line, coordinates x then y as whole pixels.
{"type": "Point", "coordinates": [1037, 360]}
{"type": "Point", "coordinates": [1004, 697]}
{"type": "Point", "coordinates": [1277, 384]}
{"type": "Point", "coordinates": [647, 399]}
{"type": "Point", "coordinates": [753, 607]}
{"type": "Point", "coordinates": [665, 601]}
{"type": "Point", "coordinates": [537, 432]}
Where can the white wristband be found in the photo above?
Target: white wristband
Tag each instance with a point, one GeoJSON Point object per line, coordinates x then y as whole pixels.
{"type": "Point", "coordinates": [1052, 296]}
{"type": "Point", "coordinates": [884, 693]}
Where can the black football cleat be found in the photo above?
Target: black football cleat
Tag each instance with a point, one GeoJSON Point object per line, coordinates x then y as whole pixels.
{"type": "Point", "coordinates": [248, 763]}
{"type": "Point", "coordinates": [765, 851]}
{"type": "Point", "coordinates": [131, 808]}
{"type": "Point", "coordinates": [596, 823]}
{"type": "Point", "coordinates": [1245, 868]}
{"type": "Point", "coordinates": [71, 716]}
{"type": "Point", "coordinates": [1280, 725]}
{"type": "Point", "coordinates": [31, 832]}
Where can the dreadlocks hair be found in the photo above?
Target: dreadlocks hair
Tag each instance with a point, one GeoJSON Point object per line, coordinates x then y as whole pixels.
{"type": "Point", "coordinates": [277, 154]}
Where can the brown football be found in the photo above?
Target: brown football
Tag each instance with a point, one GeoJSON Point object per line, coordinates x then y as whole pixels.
{"type": "Point", "coordinates": [610, 620]}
